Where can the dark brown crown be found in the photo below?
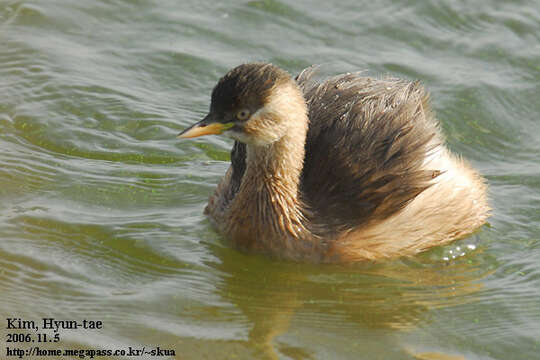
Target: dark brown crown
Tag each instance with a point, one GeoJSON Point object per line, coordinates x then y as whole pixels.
{"type": "Point", "coordinates": [246, 86]}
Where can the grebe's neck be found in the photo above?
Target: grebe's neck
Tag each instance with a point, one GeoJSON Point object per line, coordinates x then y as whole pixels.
{"type": "Point", "coordinates": [279, 164]}
{"type": "Point", "coordinates": [273, 175]}
{"type": "Point", "coordinates": [269, 197]}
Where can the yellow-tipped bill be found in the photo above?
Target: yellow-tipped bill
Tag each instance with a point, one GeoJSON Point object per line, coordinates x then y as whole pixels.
{"type": "Point", "coordinates": [205, 127]}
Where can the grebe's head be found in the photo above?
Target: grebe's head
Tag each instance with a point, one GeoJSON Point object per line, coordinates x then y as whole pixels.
{"type": "Point", "coordinates": [254, 104]}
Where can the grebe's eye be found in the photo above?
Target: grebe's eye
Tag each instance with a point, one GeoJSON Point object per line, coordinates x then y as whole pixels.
{"type": "Point", "coordinates": [242, 114]}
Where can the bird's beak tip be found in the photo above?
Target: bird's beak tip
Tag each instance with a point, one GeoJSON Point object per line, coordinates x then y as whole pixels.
{"type": "Point", "coordinates": [182, 135]}
{"type": "Point", "coordinates": [203, 128]}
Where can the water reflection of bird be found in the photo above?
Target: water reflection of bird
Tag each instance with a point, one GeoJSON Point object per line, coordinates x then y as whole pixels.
{"type": "Point", "coordinates": [284, 300]}
{"type": "Point", "coordinates": [348, 169]}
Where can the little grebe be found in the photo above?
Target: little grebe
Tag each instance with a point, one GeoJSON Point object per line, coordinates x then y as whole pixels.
{"type": "Point", "coordinates": [348, 169]}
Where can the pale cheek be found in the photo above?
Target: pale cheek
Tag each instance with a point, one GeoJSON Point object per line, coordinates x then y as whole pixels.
{"type": "Point", "coordinates": [262, 137]}
{"type": "Point", "coordinates": [265, 129]}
